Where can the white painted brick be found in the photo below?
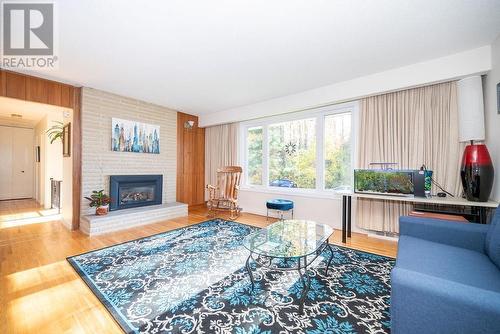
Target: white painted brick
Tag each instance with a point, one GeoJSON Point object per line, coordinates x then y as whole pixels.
{"type": "Point", "coordinates": [98, 161]}
{"type": "Point", "coordinates": [123, 219]}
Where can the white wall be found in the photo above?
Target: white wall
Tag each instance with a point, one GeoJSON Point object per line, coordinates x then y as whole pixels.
{"type": "Point", "coordinates": [492, 117]}
{"type": "Point", "coordinates": [99, 161]}
{"type": "Point", "coordinates": [322, 209]}
{"type": "Point", "coordinates": [67, 184]}
{"type": "Point", "coordinates": [51, 160]}
{"type": "Point", "coordinates": [476, 61]}
{"type": "Point", "coordinates": [53, 157]}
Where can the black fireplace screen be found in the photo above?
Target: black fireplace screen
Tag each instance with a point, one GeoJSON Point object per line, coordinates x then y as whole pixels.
{"type": "Point", "coordinates": [130, 191]}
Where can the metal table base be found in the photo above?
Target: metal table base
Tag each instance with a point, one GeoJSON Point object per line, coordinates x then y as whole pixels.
{"type": "Point", "coordinates": [301, 268]}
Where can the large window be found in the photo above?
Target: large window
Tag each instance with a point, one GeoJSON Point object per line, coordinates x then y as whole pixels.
{"type": "Point", "coordinates": [292, 154]}
{"type": "Point", "coordinates": [338, 171]}
{"type": "Point", "coordinates": [309, 151]}
{"type": "Point", "coordinates": [254, 158]}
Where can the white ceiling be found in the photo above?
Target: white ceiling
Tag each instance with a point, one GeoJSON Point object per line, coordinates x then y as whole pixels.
{"type": "Point", "coordinates": [31, 112]}
{"type": "Point", "coordinates": [207, 56]}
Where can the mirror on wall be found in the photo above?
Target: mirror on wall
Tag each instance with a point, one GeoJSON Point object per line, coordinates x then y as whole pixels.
{"type": "Point", "coordinates": [66, 140]}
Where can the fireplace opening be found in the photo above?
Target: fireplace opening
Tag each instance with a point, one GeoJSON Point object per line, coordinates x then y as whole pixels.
{"type": "Point", "coordinates": [131, 191]}
{"type": "Point", "coordinates": [136, 194]}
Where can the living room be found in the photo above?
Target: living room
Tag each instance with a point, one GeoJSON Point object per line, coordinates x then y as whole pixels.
{"type": "Point", "coordinates": [237, 167]}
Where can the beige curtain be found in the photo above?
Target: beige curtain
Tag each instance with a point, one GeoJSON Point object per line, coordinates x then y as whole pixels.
{"type": "Point", "coordinates": [411, 127]}
{"type": "Point", "coordinates": [221, 149]}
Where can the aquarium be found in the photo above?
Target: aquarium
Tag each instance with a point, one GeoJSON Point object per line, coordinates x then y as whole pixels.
{"type": "Point", "coordinates": [378, 181]}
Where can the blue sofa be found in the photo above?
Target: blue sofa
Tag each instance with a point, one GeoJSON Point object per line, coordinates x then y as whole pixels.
{"type": "Point", "coordinates": [447, 277]}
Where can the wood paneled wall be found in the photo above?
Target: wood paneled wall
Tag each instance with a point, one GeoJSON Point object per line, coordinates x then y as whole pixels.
{"type": "Point", "coordinates": [190, 161]}
{"type": "Point", "coordinates": [33, 89]}
{"type": "Point", "coordinates": [76, 152]}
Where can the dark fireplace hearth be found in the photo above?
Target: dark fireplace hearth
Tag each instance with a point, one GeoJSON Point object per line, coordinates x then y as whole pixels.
{"type": "Point", "coordinates": [131, 191]}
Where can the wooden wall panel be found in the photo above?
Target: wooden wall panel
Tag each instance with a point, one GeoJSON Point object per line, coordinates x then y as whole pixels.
{"type": "Point", "coordinates": [34, 89]}
{"type": "Point", "coordinates": [199, 166]}
{"type": "Point", "coordinates": [2, 83]}
{"type": "Point", "coordinates": [15, 85]}
{"type": "Point", "coordinates": [190, 161]}
{"type": "Point", "coordinates": [67, 96]}
{"type": "Point", "coordinates": [76, 152]}
{"type": "Point", "coordinates": [37, 90]}
{"type": "Point", "coordinates": [54, 93]}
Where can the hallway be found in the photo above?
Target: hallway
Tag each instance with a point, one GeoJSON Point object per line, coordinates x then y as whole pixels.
{"type": "Point", "coordinates": [21, 209]}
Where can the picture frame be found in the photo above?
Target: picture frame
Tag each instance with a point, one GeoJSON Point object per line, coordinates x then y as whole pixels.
{"type": "Point", "coordinates": [133, 136]}
{"type": "Point", "coordinates": [66, 140]}
{"type": "Point", "coordinates": [498, 98]}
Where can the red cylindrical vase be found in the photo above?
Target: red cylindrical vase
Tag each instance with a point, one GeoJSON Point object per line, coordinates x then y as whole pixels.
{"type": "Point", "coordinates": [477, 173]}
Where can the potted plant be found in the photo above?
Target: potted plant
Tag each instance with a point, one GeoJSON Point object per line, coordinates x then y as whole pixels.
{"type": "Point", "coordinates": [55, 132]}
{"type": "Point", "coordinates": [100, 201]}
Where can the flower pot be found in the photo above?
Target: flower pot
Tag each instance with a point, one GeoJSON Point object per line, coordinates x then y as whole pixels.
{"type": "Point", "coordinates": [102, 210]}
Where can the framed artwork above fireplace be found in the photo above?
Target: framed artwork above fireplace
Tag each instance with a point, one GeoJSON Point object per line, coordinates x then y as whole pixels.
{"type": "Point", "coordinates": [131, 136]}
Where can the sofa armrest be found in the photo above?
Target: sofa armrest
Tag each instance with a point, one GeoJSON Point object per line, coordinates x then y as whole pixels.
{"type": "Point", "coordinates": [465, 235]}
{"type": "Point", "coordinates": [425, 304]}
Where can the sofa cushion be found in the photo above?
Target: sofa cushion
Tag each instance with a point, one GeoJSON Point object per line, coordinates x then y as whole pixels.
{"type": "Point", "coordinates": [448, 262]}
{"type": "Point", "coordinates": [492, 244]}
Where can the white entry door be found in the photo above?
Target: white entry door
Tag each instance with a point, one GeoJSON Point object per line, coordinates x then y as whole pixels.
{"type": "Point", "coordinates": [6, 162]}
{"type": "Point", "coordinates": [16, 167]}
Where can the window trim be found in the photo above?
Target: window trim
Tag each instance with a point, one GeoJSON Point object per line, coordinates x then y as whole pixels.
{"type": "Point", "coordinates": [319, 114]}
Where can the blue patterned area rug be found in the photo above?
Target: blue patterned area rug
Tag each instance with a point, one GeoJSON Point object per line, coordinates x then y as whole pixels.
{"type": "Point", "coordinates": [193, 280]}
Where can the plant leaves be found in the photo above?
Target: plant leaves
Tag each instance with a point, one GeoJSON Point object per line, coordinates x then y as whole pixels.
{"type": "Point", "coordinates": [55, 131]}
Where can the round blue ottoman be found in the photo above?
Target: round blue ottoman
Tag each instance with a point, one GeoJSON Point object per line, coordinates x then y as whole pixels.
{"type": "Point", "coordinates": [280, 205]}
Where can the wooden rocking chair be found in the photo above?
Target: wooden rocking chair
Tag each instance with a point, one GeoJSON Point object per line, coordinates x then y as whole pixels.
{"type": "Point", "coordinates": [224, 195]}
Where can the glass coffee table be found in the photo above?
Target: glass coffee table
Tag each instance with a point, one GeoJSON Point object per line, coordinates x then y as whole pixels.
{"type": "Point", "coordinates": [289, 245]}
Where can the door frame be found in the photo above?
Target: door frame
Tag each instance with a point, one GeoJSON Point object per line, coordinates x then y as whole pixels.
{"type": "Point", "coordinates": [77, 157]}
{"type": "Point", "coordinates": [36, 89]}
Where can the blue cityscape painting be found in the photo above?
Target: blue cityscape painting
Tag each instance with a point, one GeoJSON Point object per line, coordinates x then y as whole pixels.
{"type": "Point", "coordinates": [130, 136]}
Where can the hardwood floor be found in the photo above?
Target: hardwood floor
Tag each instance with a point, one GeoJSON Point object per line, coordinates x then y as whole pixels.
{"type": "Point", "coordinates": [22, 209]}
{"type": "Point", "coordinates": [41, 293]}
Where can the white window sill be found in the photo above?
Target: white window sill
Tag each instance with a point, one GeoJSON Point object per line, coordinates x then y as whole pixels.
{"type": "Point", "coordinates": [294, 192]}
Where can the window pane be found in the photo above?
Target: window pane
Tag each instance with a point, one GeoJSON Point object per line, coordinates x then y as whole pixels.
{"type": "Point", "coordinates": [338, 172]}
{"type": "Point", "coordinates": [292, 154]}
{"type": "Point", "coordinates": [254, 154]}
